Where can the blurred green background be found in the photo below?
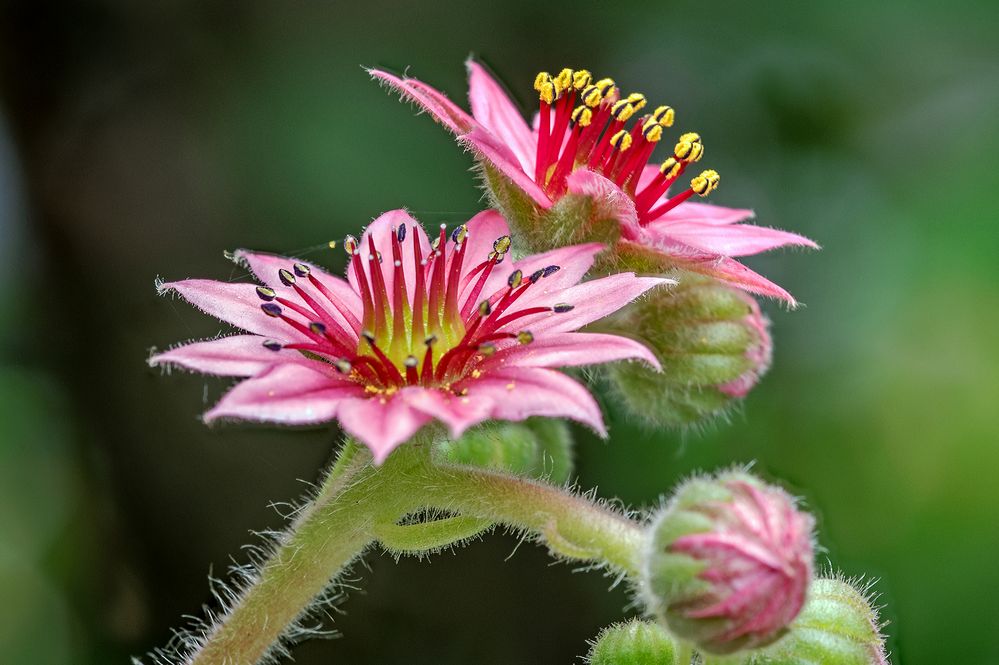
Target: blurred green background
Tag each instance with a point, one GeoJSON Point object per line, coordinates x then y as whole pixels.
{"type": "Point", "coordinates": [143, 139]}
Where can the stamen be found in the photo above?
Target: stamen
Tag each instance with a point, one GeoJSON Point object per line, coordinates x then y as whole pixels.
{"type": "Point", "coordinates": [266, 294]}
{"type": "Point", "coordinates": [350, 245]}
{"type": "Point", "coordinates": [342, 365]}
{"type": "Point", "coordinates": [427, 373]}
{"type": "Point", "coordinates": [271, 309]}
{"type": "Point", "coordinates": [392, 372]}
{"type": "Point", "coordinates": [272, 345]}
{"type": "Point", "coordinates": [318, 328]}
{"type": "Point", "coordinates": [563, 307]}
{"type": "Point", "coordinates": [412, 377]}
{"type": "Point", "coordinates": [286, 277]}
{"type": "Point", "coordinates": [400, 233]}
{"type": "Point", "coordinates": [515, 278]}
{"type": "Point", "coordinates": [551, 270]}
{"type": "Point", "coordinates": [525, 337]}
{"type": "Point", "coordinates": [301, 269]}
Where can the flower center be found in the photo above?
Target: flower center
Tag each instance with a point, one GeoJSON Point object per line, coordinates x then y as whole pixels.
{"type": "Point", "coordinates": [432, 332]}
{"type": "Point", "coordinates": [585, 124]}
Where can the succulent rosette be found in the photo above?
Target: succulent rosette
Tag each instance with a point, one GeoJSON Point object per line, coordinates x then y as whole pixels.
{"type": "Point", "coordinates": [449, 330]}
{"type": "Point", "coordinates": [587, 157]}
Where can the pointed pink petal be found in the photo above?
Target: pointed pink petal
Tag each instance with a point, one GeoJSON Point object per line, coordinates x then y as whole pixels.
{"type": "Point", "coordinates": [573, 261]}
{"type": "Point", "coordinates": [591, 301]}
{"type": "Point", "coordinates": [610, 201]}
{"type": "Point", "coordinates": [727, 240]}
{"type": "Point", "coordinates": [234, 303]}
{"type": "Point", "coordinates": [382, 423]}
{"type": "Point", "coordinates": [238, 355]}
{"type": "Point", "coordinates": [488, 147]}
{"type": "Point", "coordinates": [494, 110]}
{"type": "Point", "coordinates": [694, 211]}
{"type": "Point", "coordinates": [516, 393]}
{"type": "Point", "coordinates": [381, 229]}
{"type": "Point", "coordinates": [457, 412]}
{"type": "Point", "coordinates": [573, 349]}
{"type": "Point", "coordinates": [293, 394]}
{"type": "Point", "coordinates": [731, 271]}
{"type": "Point", "coordinates": [265, 267]}
{"type": "Point", "coordinates": [442, 109]}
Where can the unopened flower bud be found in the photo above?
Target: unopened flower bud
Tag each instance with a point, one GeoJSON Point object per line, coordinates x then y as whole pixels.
{"type": "Point", "coordinates": [536, 448]}
{"type": "Point", "coordinates": [837, 626]}
{"type": "Point", "coordinates": [729, 563]}
{"type": "Point", "coordinates": [714, 345]}
{"type": "Point", "coordinates": [633, 643]}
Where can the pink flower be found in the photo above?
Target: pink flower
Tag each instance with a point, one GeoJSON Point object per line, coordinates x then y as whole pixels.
{"type": "Point", "coordinates": [582, 144]}
{"type": "Point", "coordinates": [730, 563]}
{"type": "Point", "coordinates": [420, 331]}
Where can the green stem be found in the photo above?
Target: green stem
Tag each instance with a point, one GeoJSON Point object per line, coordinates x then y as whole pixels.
{"type": "Point", "coordinates": [358, 504]}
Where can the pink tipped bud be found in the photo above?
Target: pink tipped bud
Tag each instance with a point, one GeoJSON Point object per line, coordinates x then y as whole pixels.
{"type": "Point", "coordinates": [729, 563]}
{"type": "Point", "coordinates": [713, 343]}
{"type": "Point", "coordinates": [759, 352]}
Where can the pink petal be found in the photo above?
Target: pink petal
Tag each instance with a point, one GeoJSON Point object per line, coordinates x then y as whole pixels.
{"type": "Point", "coordinates": [429, 99]}
{"type": "Point", "coordinates": [347, 307]}
{"type": "Point", "coordinates": [382, 423]}
{"type": "Point", "coordinates": [457, 412]}
{"type": "Point", "coordinates": [494, 151]}
{"type": "Point", "coordinates": [516, 393]}
{"type": "Point", "coordinates": [694, 211]}
{"type": "Point", "coordinates": [573, 349]}
{"type": "Point", "coordinates": [573, 261]}
{"type": "Point", "coordinates": [238, 355]}
{"type": "Point", "coordinates": [494, 110]}
{"type": "Point", "coordinates": [727, 240]}
{"type": "Point", "coordinates": [591, 301]}
{"type": "Point", "coordinates": [234, 303]}
{"type": "Point", "coordinates": [731, 271]}
{"type": "Point", "coordinates": [610, 201]}
{"type": "Point", "coordinates": [381, 229]}
{"type": "Point", "coordinates": [293, 394]}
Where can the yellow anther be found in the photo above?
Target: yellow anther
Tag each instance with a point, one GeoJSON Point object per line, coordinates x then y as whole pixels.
{"type": "Point", "coordinates": [581, 78]}
{"type": "Point", "coordinates": [690, 137]}
{"type": "Point", "coordinates": [563, 81]}
{"type": "Point", "coordinates": [621, 140]}
{"type": "Point", "coordinates": [541, 80]}
{"type": "Point", "coordinates": [460, 234]}
{"type": "Point", "coordinates": [605, 86]}
{"type": "Point", "coordinates": [548, 94]}
{"type": "Point", "coordinates": [332, 244]}
{"type": "Point", "coordinates": [501, 245]}
{"type": "Point", "coordinates": [652, 130]}
{"type": "Point", "coordinates": [350, 245]}
{"type": "Point", "coordinates": [670, 168]}
{"type": "Point", "coordinates": [592, 96]}
{"type": "Point", "coordinates": [705, 183]}
{"type": "Point", "coordinates": [582, 116]}
{"type": "Point", "coordinates": [637, 100]}
{"type": "Point", "coordinates": [622, 110]}
{"type": "Point", "coordinates": [664, 115]}
{"type": "Point", "coordinates": [688, 151]}
{"type": "Point", "coordinates": [525, 337]}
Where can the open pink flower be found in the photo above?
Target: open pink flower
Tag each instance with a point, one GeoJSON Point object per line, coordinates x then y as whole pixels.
{"type": "Point", "coordinates": [582, 144]}
{"type": "Point", "coordinates": [420, 331]}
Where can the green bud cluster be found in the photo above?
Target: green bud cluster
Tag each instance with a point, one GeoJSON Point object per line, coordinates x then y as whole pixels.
{"type": "Point", "coordinates": [535, 448]}
{"type": "Point", "coordinates": [634, 643]}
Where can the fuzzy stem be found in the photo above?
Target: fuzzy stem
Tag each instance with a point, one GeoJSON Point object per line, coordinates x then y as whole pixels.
{"type": "Point", "coordinates": [359, 503]}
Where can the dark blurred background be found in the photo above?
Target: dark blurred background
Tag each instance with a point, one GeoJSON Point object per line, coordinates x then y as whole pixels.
{"type": "Point", "coordinates": [142, 139]}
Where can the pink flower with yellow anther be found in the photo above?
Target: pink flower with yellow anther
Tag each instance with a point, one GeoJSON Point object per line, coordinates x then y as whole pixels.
{"type": "Point", "coordinates": [591, 140]}
{"type": "Point", "coordinates": [420, 331]}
